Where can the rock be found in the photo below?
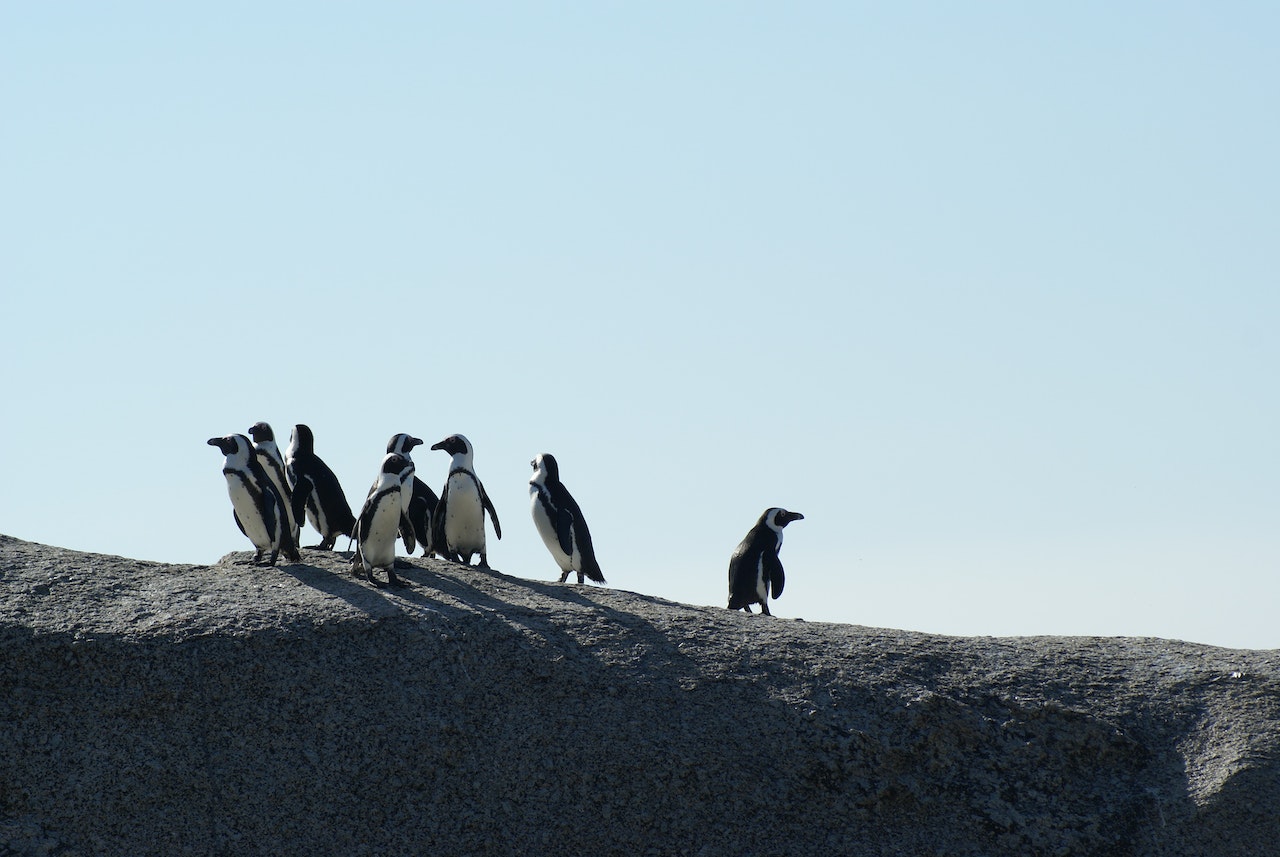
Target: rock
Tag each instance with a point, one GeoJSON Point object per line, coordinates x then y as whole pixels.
{"type": "Point", "coordinates": [173, 709]}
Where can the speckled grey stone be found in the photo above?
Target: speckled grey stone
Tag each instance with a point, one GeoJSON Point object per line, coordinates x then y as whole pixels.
{"type": "Point", "coordinates": [153, 709]}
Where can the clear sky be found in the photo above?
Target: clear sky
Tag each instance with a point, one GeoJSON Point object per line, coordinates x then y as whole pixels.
{"type": "Point", "coordinates": [987, 291]}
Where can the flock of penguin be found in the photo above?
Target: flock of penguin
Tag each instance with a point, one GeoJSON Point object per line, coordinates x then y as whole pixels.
{"type": "Point", "coordinates": [272, 493]}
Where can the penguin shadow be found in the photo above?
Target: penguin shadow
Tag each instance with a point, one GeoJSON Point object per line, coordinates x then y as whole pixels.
{"type": "Point", "coordinates": [377, 597]}
{"type": "Point", "coordinates": [658, 645]}
{"type": "Point", "coordinates": [439, 579]}
{"type": "Point", "coordinates": [422, 584]}
{"type": "Point", "coordinates": [648, 647]}
{"type": "Point", "coordinates": [371, 599]}
{"type": "Point", "coordinates": [465, 592]}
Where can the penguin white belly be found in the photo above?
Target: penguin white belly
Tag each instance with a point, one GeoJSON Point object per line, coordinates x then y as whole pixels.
{"type": "Point", "coordinates": [406, 493]}
{"type": "Point", "coordinates": [378, 547]}
{"type": "Point", "coordinates": [762, 584]}
{"type": "Point", "coordinates": [246, 507]}
{"type": "Point", "coordinates": [464, 516]}
{"type": "Point", "coordinates": [315, 514]}
{"type": "Point", "coordinates": [547, 530]}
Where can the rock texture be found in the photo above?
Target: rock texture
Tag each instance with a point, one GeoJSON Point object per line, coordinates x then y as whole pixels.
{"type": "Point", "coordinates": [166, 709]}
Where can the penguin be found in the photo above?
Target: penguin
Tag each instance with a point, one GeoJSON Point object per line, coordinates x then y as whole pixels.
{"type": "Point", "coordinates": [416, 528]}
{"type": "Point", "coordinates": [268, 454]}
{"type": "Point", "coordinates": [257, 505]}
{"type": "Point", "coordinates": [755, 572]}
{"type": "Point", "coordinates": [316, 490]}
{"type": "Point", "coordinates": [458, 522]}
{"type": "Point", "coordinates": [379, 521]}
{"type": "Point", "coordinates": [560, 522]}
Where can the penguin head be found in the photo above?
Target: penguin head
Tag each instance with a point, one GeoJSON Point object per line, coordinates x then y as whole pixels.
{"type": "Point", "coordinates": [777, 518]}
{"type": "Point", "coordinates": [545, 469]}
{"type": "Point", "coordinates": [302, 440]}
{"type": "Point", "coordinates": [402, 443]}
{"type": "Point", "coordinates": [232, 445]}
{"type": "Point", "coordinates": [454, 444]}
{"type": "Point", "coordinates": [394, 462]}
{"type": "Point", "coordinates": [261, 432]}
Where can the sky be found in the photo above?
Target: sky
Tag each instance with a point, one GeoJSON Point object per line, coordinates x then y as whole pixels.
{"type": "Point", "coordinates": [988, 292]}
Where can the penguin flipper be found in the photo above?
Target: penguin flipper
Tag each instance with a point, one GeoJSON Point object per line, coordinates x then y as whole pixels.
{"type": "Point", "coordinates": [488, 505]}
{"type": "Point", "coordinates": [773, 573]}
{"type": "Point", "coordinates": [273, 508]}
{"type": "Point", "coordinates": [564, 531]}
{"type": "Point", "coordinates": [406, 534]}
{"type": "Point", "coordinates": [271, 512]}
{"type": "Point", "coordinates": [421, 509]}
{"type": "Point", "coordinates": [288, 547]}
{"type": "Point", "coordinates": [364, 521]}
{"type": "Point", "coordinates": [438, 541]}
{"type": "Point", "coordinates": [236, 515]}
{"type": "Point", "coordinates": [298, 502]}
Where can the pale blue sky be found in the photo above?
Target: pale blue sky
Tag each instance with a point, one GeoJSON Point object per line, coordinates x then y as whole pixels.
{"type": "Point", "coordinates": [987, 291]}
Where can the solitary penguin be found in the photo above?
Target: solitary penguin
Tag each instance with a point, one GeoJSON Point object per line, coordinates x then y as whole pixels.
{"type": "Point", "coordinates": [268, 454]}
{"type": "Point", "coordinates": [458, 522]}
{"type": "Point", "coordinates": [755, 572]}
{"type": "Point", "coordinates": [257, 505]}
{"type": "Point", "coordinates": [416, 528]}
{"type": "Point", "coordinates": [316, 490]}
{"type": "Point", "coordinates": [560, 522]}
{"type": "Point", "coordinates": [379, 522]}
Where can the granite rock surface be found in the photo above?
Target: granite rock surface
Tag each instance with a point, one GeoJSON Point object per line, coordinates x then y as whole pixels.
{"type": "Point", "coordinates": [152, 709]}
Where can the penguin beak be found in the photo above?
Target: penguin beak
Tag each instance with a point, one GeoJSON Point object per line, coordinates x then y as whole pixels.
{"type": "Point", "coordinates": [788, 517]}
{"type": "Point", "coordinates": [221, 443]}
{"type": "Point", "coordinates": [414, 441]}
{"type": "Point", "coordinates": [439, 445]}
